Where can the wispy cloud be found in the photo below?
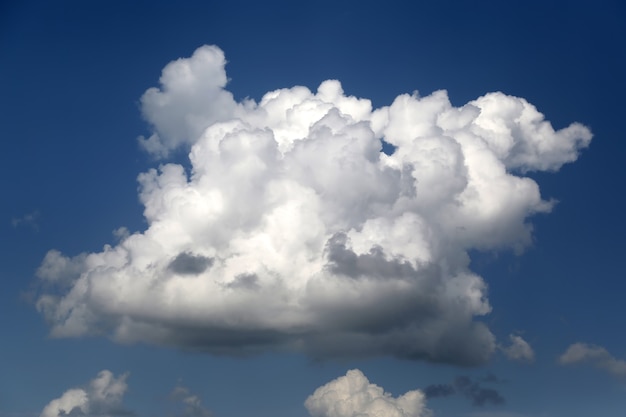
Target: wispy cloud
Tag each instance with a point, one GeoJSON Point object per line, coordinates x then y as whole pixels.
{"type": "Point", "coordinates": [471, 389]}
{"type": "Point", "coordinates": [190, 402]}
{"type": "Point", "coordinates": [29, 219]}
{"type": "Point", "coordinates": [102, 397]}
{"type": "Point", "coordinates": [595, 355]}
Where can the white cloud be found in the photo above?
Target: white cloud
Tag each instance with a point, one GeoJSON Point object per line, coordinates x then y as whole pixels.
{"type": "Point", "coordinates": [352, 395]}
{"type": "Point", "coordinates": [519, 349]}
{"type": "Point", "coordinates": [103, 398]}
{"type": "Point", "coordinates": [29, 219]}
{"type": "Point", "coordinates": [596, 355]}
{"type": "Point", "coordinates": [293, 231]}
{"type": "Point", "coordinates": [191, 98]}
{"type": "Point", "coordinates": [192, 404]}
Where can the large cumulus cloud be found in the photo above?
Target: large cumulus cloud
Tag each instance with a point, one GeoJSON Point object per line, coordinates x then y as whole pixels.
{"type": "Point", "coordinates": [292, 230]}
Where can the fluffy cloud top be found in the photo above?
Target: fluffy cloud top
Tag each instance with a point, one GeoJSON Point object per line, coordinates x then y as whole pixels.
{"type": "Point", "coordinates": [352, 395]}
{"type": "Point", "coordinates": [192, 98]}
{"type": "Point", "coordinates": [596, 355]}
{"type": "Point", "coordinates": [292, 230]}
{"type": "Point", "coordinates": [103, 398]}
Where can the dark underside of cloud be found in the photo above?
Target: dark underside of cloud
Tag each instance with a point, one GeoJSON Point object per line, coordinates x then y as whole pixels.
{"type": "Point", "coordinates": [470, 389]}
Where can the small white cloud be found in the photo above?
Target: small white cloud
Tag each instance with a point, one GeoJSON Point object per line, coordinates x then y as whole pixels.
{"type": "Point", "coordinates": [121, 233]}
{"type": "Point", "coordinates": [353, 395]}
{"type": "Point", "coordinates": [191, 403]}
{"type": "Point", "coordinates": [29, 219]}
{"type": "Point", "coordinates": [292, 230]}
{"type": "Point", "coordinates": [519, 349]}
{"type": "Point", "coordinates": [595, 355]}
{"type": "Point", "coordinates": [102, 398]}
{"type": "Point", "coordinates": [71, 401]}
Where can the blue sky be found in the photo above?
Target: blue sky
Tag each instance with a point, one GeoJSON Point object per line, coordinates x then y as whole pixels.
{"type": "Point", "coordinates": [73, 77]}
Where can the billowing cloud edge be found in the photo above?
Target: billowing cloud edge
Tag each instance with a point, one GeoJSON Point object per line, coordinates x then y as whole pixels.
{"type": "Point", "coordinates": [292, 230]}
{"type": "Point", "coordinates": [519, 349]}
{"type": "Point", "coordinates": [353, 395]}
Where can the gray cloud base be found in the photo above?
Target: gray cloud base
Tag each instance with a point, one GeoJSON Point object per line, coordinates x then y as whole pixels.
{"type": "Point", "coordinates": [292, 230]}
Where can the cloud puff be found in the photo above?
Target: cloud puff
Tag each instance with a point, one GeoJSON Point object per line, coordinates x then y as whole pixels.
{"type": "Point", "coordinates": [103, 398]}
{"type": "Point", "coordinates": [191, 98]}
{"type": "Point", "coordinates": [596, 355]}
{"type": "Point", "coordinates": [519, 349]}
{"type": "Point", "coordinates": [192, 404]}
{"type": "Point", "coordinates": [292, 230]}
{"type": "Point", "coordinates": [353, 395]}
{"type": "Point", "coordinates": [472, 390]}
{"type": "Point", "coordinates": [29, 219]}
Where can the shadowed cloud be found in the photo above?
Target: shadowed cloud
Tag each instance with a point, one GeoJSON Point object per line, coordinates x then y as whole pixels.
{"type": "Point", "coordinates": [471, 389]}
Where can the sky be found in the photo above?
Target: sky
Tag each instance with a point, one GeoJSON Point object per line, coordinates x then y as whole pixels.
{"type": "Point", "coordinates": [325, 209]}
